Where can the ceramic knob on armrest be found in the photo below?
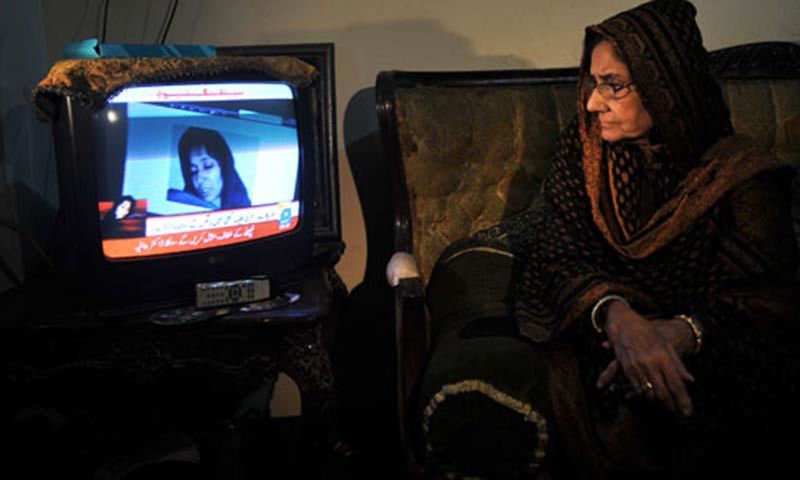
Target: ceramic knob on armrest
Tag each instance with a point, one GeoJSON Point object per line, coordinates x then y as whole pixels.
{"type": "Point", "coordinates": [402, 265]}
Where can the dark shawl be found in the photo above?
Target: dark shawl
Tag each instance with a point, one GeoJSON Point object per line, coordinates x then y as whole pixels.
{"type": "Point", "coordinates": [698, 224]}
{"type": "Point", "coordinates": [657, 224]}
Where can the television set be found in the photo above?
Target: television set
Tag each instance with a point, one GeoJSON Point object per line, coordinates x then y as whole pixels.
{"type": "Point", "coordinates": [191, 172]}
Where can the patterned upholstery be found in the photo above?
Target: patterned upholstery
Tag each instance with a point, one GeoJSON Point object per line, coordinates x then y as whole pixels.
{"type": "Point", "coordinates": [475, 153]}
{"type": "Point", "coordinates": [473, 157]}
{"type": "Point", "coordinates": [769, 112]}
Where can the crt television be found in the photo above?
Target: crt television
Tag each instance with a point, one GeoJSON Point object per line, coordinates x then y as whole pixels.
{"type": "Point", "coordinates": [179, 172]}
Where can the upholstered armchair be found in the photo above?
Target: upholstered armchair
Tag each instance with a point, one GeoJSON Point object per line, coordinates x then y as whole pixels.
{"type": "Point", "coordinates": [466, 150]}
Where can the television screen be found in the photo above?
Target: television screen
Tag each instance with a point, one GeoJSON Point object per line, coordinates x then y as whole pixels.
{"type": "Point", "coordinates": [192, 166]}
{"type": "Point", "coordinates": [179, 172]}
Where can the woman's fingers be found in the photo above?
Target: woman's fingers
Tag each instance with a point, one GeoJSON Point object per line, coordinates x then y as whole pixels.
{"type": "Point", "coordinates": [682, 368]}
{"type": "Point", "coordinates": [669, 384]}
{"type": "Point", "coordinates": [646, 353]}
{"type": "Point", "coordinates": [626, 361]}
{"type": "Point", "coordinates": [662, 391]}
{"type": "Point", "coordinates": [676, 379]}
{"type": "Point", "coordinates": [608, 374]}
{"type": "Point", "coordinates": [672, 376]}
{"type": "Point", "coordinates": [659, 374]}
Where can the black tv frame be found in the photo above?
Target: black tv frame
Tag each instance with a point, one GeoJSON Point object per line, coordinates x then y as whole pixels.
{"type": "Point", "coordinates": [327, 221]}
{"type": "Point", "coordinates": [110, 288]}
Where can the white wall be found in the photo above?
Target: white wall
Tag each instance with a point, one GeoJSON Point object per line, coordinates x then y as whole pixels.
{"type": "Point", "coordinates": [375, 35]}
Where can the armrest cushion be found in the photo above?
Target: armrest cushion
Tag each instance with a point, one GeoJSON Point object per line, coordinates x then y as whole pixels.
{"type": "Point", "coordinates": [483, 396]}
{"type": "Point", "coordinates": [471, 280]}
{"type": "Point", "coordinates": [485, 406]}
{"type": "Point", "coordinates": [401, 265]}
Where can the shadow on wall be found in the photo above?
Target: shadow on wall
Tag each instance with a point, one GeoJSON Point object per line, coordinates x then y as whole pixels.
{"type": "Point", "coordinates": [37, 217]}
{"type": "Point", "coordinates": [28, 192]}
{"type": "Point", "coordinates": [364, 357]}
{"type": "Point", "coordinates": [362, 51]}
{"type": "Point", "coordinates": [368, 166]}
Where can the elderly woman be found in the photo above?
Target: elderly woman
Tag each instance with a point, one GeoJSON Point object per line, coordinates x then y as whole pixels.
{"type": "Point", "coordinates": [657, 272]}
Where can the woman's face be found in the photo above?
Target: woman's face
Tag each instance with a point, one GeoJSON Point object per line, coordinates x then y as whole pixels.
{"type": "Point", "coordinates": [206, 175]}
{"type": "Point", "coordinates": [620, 118]}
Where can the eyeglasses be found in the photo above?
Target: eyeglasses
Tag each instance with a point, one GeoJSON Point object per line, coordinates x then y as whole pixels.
{"type": "Point", "coordinates": [609, 90]}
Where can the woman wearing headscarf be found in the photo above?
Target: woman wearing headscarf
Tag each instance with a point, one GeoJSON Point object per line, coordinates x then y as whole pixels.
{"type": "Point", "coordinates": [658, 272]}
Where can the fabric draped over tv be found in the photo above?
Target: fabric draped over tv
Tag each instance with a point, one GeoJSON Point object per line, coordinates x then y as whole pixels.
{"type": "Point", "coordinates": [93, 81]}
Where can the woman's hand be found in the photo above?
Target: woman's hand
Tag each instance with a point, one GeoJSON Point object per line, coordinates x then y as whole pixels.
{"type": "Point", "coordinates": [649, 353]}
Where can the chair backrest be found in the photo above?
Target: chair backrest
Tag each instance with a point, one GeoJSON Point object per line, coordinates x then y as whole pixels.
{"type": "Point", "coordinates": [470, 148]}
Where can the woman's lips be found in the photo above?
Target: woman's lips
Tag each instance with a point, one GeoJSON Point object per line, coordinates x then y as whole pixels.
{"type": "Point", "coordinates": [204, 190]}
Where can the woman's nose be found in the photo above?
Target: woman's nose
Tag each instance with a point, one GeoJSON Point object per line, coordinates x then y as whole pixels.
{"type": "Point", "coordinates": [596, 103]}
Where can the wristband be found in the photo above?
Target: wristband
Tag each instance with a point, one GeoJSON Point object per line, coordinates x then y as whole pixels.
{"type": "Point", "coordinates": [596, 310]}
{"type": "Point", "coordinates": [696, 331]}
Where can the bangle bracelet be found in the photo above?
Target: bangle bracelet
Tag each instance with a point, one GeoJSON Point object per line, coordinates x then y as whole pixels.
{"type": "Point", "coordinates": [696, 331]}
{"type": "Point", "coordinates": [596, 310]}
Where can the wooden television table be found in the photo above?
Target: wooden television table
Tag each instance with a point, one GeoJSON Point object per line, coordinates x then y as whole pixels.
{"type": "Point", "coordinates": [98, 397]}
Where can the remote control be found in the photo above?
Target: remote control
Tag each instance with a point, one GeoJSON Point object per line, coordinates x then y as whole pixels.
{"type": "Point", "coordinates": [217, 294]}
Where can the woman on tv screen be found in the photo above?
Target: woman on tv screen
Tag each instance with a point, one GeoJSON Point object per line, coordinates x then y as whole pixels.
{"type": "Point", "coordinates": [209, 175]}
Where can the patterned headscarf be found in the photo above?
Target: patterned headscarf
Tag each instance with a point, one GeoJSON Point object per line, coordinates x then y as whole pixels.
{"type": "Point", "coordinates": [632, 220]}
{"type": "Point", "coordinates": [640, 196]}
{"type": "Point", "coordinates": [661, 44]}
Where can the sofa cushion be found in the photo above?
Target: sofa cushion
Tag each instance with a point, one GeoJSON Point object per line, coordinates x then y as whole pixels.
{"type": "Point", "coordinates": [484, 398]}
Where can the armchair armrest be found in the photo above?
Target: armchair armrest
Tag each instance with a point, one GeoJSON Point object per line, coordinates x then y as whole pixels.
{"type": "Point", "coordinates": [412, 333]}
{"type": "Point", "coordinates": [402, 265]}
{"type": "Point", "coordinates": [412, 330]}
